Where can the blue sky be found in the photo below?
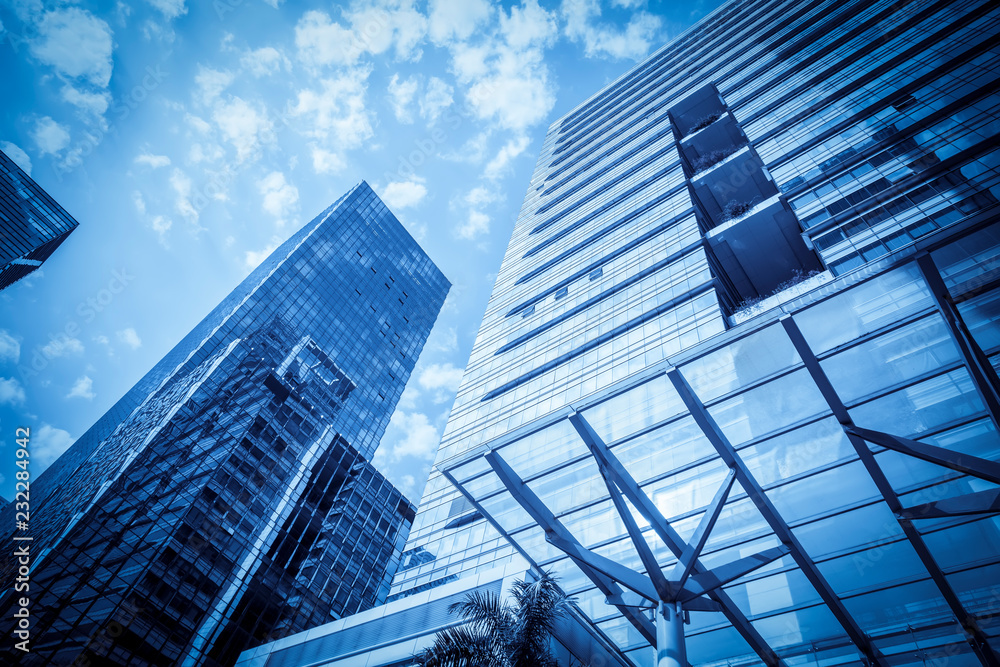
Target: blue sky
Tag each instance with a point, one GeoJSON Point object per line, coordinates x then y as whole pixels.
{"type": "Point", "coordinates": [189, 139]}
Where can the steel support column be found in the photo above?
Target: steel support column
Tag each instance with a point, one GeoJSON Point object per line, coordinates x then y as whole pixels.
{"type": "Point", "coordinates": [974, 634]}
{"type": "Point", "coordinates": [610, 466]}
{"type": "Point", "coordinates": [670, 649]}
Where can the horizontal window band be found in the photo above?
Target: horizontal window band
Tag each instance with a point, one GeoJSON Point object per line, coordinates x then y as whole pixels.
{"type": "Point", "coordinates": [604, 338]}
{"type": "Point", "coordinates": [617, 200]}
{"type": "Point", "coordinates": [907, 56]}
{"type": "Point", "coordinates": [872, 109]}
{"type": "Point", "coordinates": [677, 256]}
{"type": "Point", "coordinates": [659, 229]}
{"type": "Point", "coordinates": [646, 78]}
{"type": "Point", "coordinates": [902, 187]}
{"type": "Point", "coordinates": [648, 160]}
{"type": "Point", "coordinates": [667, 131]}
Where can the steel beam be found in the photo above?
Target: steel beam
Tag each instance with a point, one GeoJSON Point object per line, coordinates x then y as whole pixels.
{"type": "Point", "coordinates": [984, 376]}
{"type": "Point", "coordinates": [611, 466]}
{"type": "Point", "coordinates": [974, 634]}
{"type": "Point", "coordinates": [970, 504]}
{"type": "Point", "coordinates": [692, 552]}
{"type": "Point", "coordinates": [957, 461]}
{"type": "Point", "coordinates": [770, 513]}
{"type": "Point", "coordinates": [533, 505]}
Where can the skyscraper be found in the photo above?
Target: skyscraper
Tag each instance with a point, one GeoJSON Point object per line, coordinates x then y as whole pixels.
{"type": "Point", "coordinates": [736, 384]}
{"type": "Point", "coordinates": [234, 502]}
{"type": "Point", "coordinates": [32, 224]}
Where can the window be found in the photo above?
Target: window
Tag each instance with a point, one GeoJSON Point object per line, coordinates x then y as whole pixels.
{"type": "Point", "coordinates": [563, 291]}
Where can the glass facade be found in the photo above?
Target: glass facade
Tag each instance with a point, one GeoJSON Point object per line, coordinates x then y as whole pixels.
{"type": "Point", "coordinates": [235, 503]}
{"type": "Point", "coordinates": [779, 228]}
{"type": "Point", "coordinates": [32, 224]}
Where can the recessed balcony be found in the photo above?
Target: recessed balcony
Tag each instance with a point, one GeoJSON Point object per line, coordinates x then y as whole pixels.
{"type": "Point", "coordinates": [696, 109]}
{"type": "Point", "coordinates": [761, 248]}
{"type": "Point", "coordinates": [737, 178]}
{"type": "Point", "coordinates": [721, 136]}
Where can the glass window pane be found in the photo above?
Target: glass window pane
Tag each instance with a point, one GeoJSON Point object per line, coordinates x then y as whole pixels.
{"type": "Point", "coordinates": [741, 363]}
{"type": "Point", "coordinates": [667, 448]}
{"type": "Point", "coordinates": [833, 490]}
{"type": "Point", "coordinates": [917, 349]}
{"type": "Point", "coordinates": [769, 407]}
{"type": "Point", "coordinates": [921, 407]}
{"type": "Point", "coordinates": [873, 304]}
{"type": "Point", "coordinates": [814, 445]}
{"type": "Point", "coordinates": [639, 408]}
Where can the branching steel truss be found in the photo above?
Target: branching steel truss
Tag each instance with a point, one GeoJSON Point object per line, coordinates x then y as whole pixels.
{"type": "Point", "coordinates": [690, 587]}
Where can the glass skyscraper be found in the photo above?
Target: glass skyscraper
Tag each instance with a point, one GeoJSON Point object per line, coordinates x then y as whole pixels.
{"type": "Point", "coordinates": [32, 224]}
{"type": "Point", "coordinates": [234, 502]}
{"type": "Point", "coordinates": [737, 381]}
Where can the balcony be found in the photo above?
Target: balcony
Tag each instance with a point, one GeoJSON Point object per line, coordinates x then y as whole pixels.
{"type": "Point", "coordinates": [761, 249]}
{"type": "Point", "coordinates": [694, 109]}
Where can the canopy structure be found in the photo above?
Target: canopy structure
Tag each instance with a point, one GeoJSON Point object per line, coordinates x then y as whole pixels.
{"type": "Point", "coordinates": [817, 487]}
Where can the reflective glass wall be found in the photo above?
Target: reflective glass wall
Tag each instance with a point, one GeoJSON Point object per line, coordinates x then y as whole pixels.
{"type": "Point", "coordinates": [233, 503]}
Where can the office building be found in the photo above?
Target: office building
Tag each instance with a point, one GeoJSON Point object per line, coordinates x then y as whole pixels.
{"type": "Point", "coordinates": [32, 224]}
{"type": "Point", "coordinates": [736, 384]}
{"type": "Point", "coordinates": [235, 503]}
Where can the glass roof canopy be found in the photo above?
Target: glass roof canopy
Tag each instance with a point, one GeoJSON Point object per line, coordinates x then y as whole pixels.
{"type": "Point", "coordinates": [861, 429]}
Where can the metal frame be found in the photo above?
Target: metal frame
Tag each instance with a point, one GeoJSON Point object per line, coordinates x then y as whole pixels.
{"type": "Point", "coordinates": [976, 362]}
{"type": "Point", "coordinates": [688, 586]}
{"type": "Point", "coordinates": [986, 469]}
{"type": "Point", "coordinates": [770, 513]}
{"type": "Point", "coordinates": [668, 599]}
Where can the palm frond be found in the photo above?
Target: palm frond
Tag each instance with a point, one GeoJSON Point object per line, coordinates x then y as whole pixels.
{"type": "Point", "coordinates": [460, 646]}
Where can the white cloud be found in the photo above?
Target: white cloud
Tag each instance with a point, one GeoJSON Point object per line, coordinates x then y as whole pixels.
{"type": "Point", "coordinates": [401, 94]}
{"type": "Point", "coordinates": [82, 388]}
{"type": "Point", "coordinates": [514, 147]}
{"type": "Point", "coordinates": [47, 444]}
{"type": "Point", "coordinates": [253, 258]}
{"type": "Point", "coordinates": [171, 9]}
{"type": "Point", "coordinates": [210, 83]}
{"type": "Point", "coordinates": [11, 391]}
{"type": "Point", "coordinates": [372, 29]}
{"type": "Point", "coordinates": [17, 154]}
{"type": "Point", "coordinates": [76, 44]}
{"type": "Point", "coordinates": [326, 162]}
{"type": "Point", "coordinates": [181, 184]}
{"type": "Point", "coordinates": [416, 436]}
{"type": "Point", "coordinates": [60, 347]}
{"type": "Point", "coordinates": [162, 225]}
{"type": "Point", "coordinates": [404, 194]}
{"type": "Point", "coordinates": [480, 196]}
{"type": "Point", "coordinates": [477, 224]}
{"type": "Point", "coordinates": [320, 41]}
{"type": "Point", "coordinates": [130, 338]}
{"type": "Point", "coordinates": [388, 24]}
{"type": "Point", "coordinates": [437, 98]}
{"type": "Point", "coordinates": [95, 104]}
{"type": "Point", "coordinates": [506, 79]}
{"type": "Point", "coordinates": [244, 126]}
{"type": "Point", "coordinates": [152, 161]}
{"type": "Point", "coordinates": [603, 41]}
{"type": "Point", "coordinates": [456, 19]}
{"type": "Point", "coordinates": [10, 348]}
{"type": "Point", "coordinates": [441, 376]}
{"type": "Point", "coordinates": [280, 196]}
{"type": "Point", "coordinates": [335, 114]}
{"type": "Point", "coordinates": [264, 61]}
{"type": "Point", "coordinates": [50, 136]}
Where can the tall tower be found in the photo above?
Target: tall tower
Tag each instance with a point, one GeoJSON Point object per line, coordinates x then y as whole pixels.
{"type": "Point", "coordinates": [234, 502]}
{"type": "Point", "coordinates": [32, 224]}
{"type": "Point", "coordinates": [736, 383]}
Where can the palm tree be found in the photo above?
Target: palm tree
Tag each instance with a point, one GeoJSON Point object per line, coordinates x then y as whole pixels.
{"type": "Point", "coordinates": [501, 634]}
